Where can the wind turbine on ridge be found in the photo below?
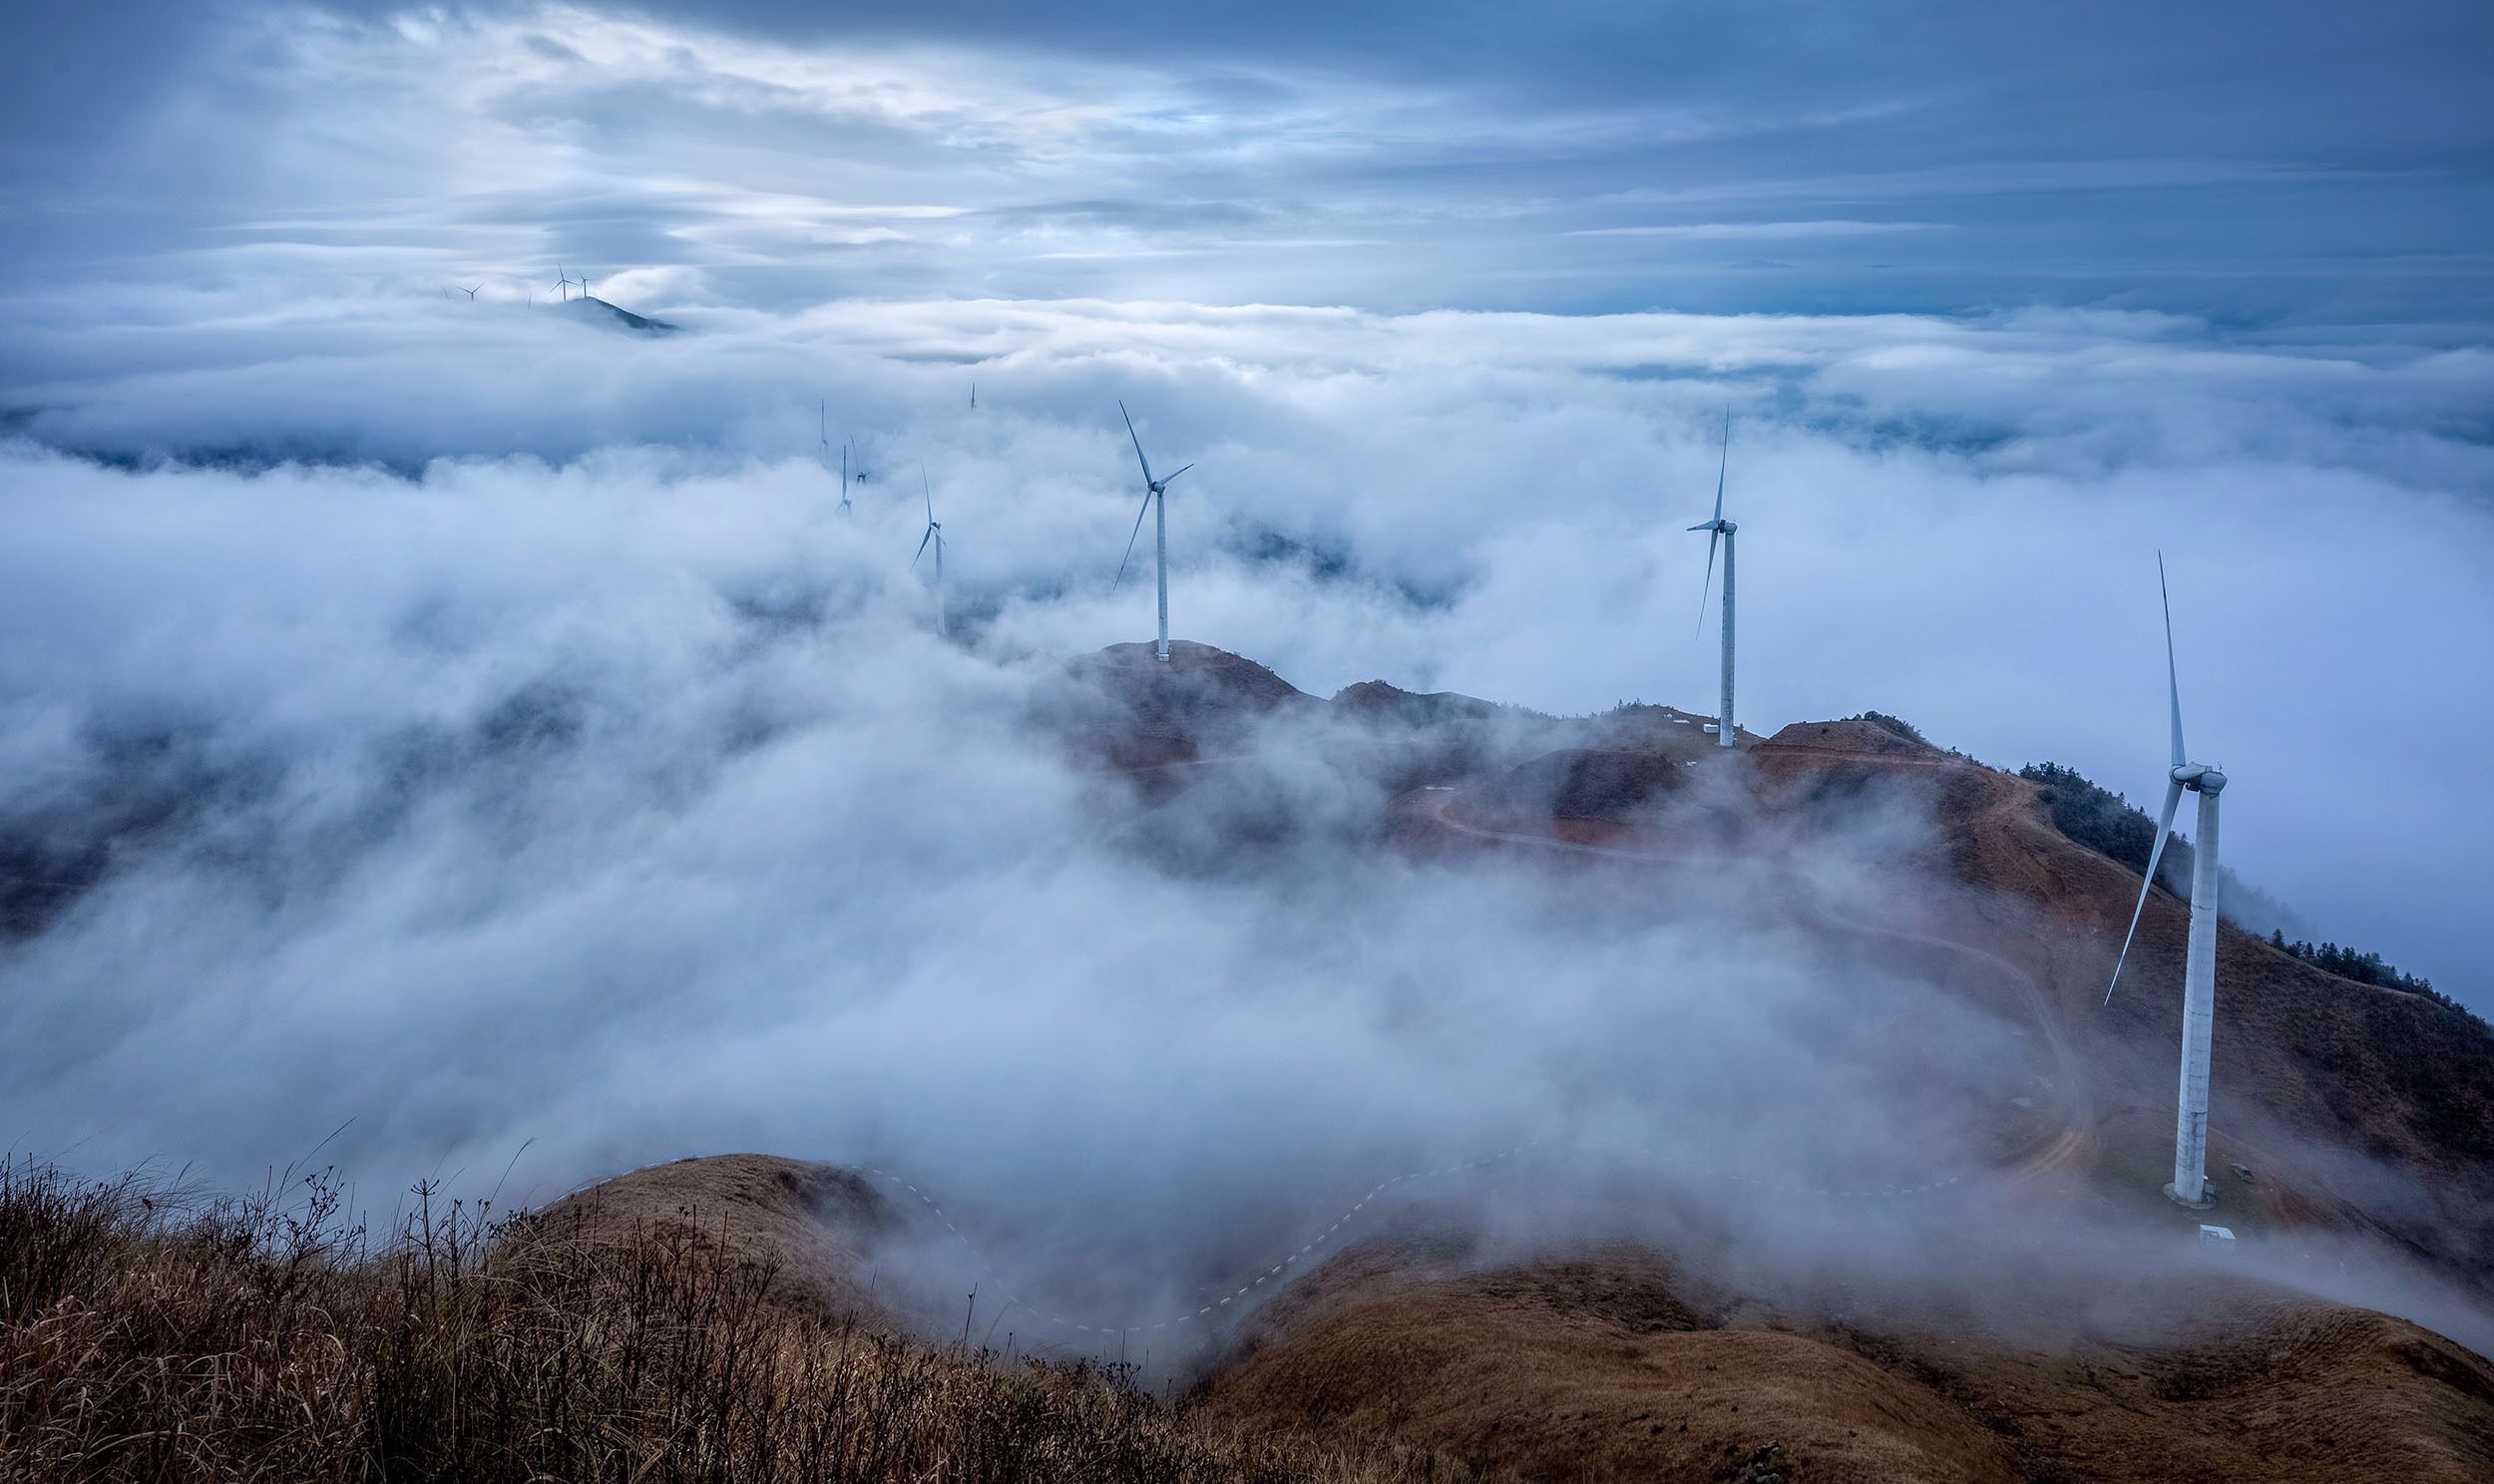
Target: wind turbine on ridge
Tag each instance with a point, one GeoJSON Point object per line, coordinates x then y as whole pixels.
{"type": "Point", "coordinates": [2191, 1114]}
{"type": "Point", "coordinates": [1720, 530]}
{"type": "Point", "coordinates": [1155, 499]}
{"type": "Point", "coordinates": [934, 536]}
{"type": "Point", "coordinates": [563, 281]}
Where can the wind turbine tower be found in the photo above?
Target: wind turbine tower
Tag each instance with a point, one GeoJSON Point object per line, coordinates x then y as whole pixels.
{"type": "Point", "coordinates": [2191, 1116]}
{"type": "Point", "coordinates": [1155, 502]}
{"type": "Point", "coordinates": [1720, 531]}
{"type": "Point", "coordinates": [934, 536]}
{"type": "Point", "coordinates": [822, 432]}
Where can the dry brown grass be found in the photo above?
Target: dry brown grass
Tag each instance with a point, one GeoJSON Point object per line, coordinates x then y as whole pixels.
{"type": "Point", "coordinates": [144, 1336]}
{"type": "Point", "coordinates": [1616, 1364]}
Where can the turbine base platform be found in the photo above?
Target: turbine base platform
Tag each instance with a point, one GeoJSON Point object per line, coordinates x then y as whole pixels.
{"type": "Point", "coordinates": [2204, 1203]}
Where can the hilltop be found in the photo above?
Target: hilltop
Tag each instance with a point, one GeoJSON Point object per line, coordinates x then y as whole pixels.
{"type": "Point", "coordinates": [2319, 1079]}
{"type": "Point", "coordinates": [599, 311]}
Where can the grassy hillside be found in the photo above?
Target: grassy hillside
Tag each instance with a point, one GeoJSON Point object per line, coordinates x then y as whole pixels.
{"type": "Point", "coordinates": [142, 1337]}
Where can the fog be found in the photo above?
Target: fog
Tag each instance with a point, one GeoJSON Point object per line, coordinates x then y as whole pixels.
{"type": "Point", "coordinates": [446, 736]}
{"type": "Point", "coordinates": [561, 812]}
{"type": "Point", "coordinates": [1951, 521]}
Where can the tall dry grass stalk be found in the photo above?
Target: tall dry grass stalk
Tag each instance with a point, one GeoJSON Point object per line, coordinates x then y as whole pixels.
{"type": "Point", "coordinates": [145, 1335]}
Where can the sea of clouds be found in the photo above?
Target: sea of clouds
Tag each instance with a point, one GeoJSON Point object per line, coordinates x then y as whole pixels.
{"type": "Point", "coordinates": [448, 737]}
{"type": "Point", "coordinates": [451, 730]}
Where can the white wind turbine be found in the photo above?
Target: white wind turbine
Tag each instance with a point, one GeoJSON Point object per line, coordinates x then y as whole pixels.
{"type": "Point", "coordinates": [1720, 531]}
{"type": "Point", "coordinates": [2191, 1118]}
{"type": "Point", "coordinates": [1155, 497]}
{"type": "Point", "coordinates": [563, 281]}
{"type": "Point", "coordinates": [822, 431]}
{"type": "Point", "coordinates": [934, 536]}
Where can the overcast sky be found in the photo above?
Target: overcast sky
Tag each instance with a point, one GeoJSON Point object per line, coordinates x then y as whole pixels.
{"type": "Point", "coordinates": [2297, 163]}
{"type": "Point", "coordinates": [1447, 302]}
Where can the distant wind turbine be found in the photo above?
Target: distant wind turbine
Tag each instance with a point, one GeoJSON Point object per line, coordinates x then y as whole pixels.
{"type": "Point", "coordinates": [470, 292]}
{"type": "Point", "coordinates": [822, 414]}
{"type": "Point", "coordinates": [974, 396]}
{"type": "Point", "coordinates": [1720, 531]}
{"type": "Point", "coordinates": [935, 538]}
{"type": "Point", "coordinates": [2191, 1116]}
{"type": "Point", "coordinates": [1155, 502]}
{"type": "Point", "coordinates": [564, 282]}
{"type": "Point", "coordinates": [822, 428]}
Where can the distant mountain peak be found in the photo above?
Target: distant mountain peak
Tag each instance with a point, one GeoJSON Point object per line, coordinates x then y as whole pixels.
{"type": "Point", "coordinates": [598, 308]}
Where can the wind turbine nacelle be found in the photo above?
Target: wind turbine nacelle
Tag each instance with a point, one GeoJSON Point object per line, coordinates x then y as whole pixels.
{"type": "Point", "coordinates": [2198, 777]}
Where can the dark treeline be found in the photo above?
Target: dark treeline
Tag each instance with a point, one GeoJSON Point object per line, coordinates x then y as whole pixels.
{"type": "Point", "coordinates": [2105, 820]}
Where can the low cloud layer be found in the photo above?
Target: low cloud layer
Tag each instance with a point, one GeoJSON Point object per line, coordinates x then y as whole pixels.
{"type": "Point", "coordinates": [459, 723]}
{"type": "Point", "coordinates": [1955, 522]}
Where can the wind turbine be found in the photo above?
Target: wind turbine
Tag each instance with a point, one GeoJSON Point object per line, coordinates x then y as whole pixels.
{"type": "Point", "coordinates": [822, 428]}
{"type": "Point", "coordinates": [1720, 530]}
{"type": "Point", "coordinates": [562, 280]}
{"type": "Point", "coordinates": [934, 537]}
{"type": "Point", "coordinates": [2191, 1118]}
{"type": "Point", "coordinates": [470, 292]}
{"type": "Point", "coordinates": [1155, 499]}
{"type": "Point", "coordinates": [974, 396]}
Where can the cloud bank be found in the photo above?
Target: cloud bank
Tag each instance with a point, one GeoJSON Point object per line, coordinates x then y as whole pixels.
{"type": "Point", "coordinates": [461, 722]}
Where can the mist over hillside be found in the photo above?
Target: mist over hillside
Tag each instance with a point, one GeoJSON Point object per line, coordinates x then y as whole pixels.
{"type": "Point", "coordinates": [1951, 521]}
{"type": "Point", "coordinates": [662, 820]}
{"type": "Point", "coordinates": [523, 852]}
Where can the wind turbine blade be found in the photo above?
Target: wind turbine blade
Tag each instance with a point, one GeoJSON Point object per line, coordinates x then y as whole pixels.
{"type": "Point", "coordinates": [927, 490]}
{"type": "Point", "coordinates": [1138, 444]}
{"type": "Point", "coordinates": [1181, 469]}
{"type": "Point", "coordinates": [2163, 832]}
{"type": "Point", "coordinates": [1720, 467]}
{"type": "Point", "coordinates": [922, 548]}
{"type": "Point", "coordinates": [1130, 542]}
{"type": "Point", "coordinates": [1709, 585]}
{"type": "Point", "coordinates": [2173, 686]}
